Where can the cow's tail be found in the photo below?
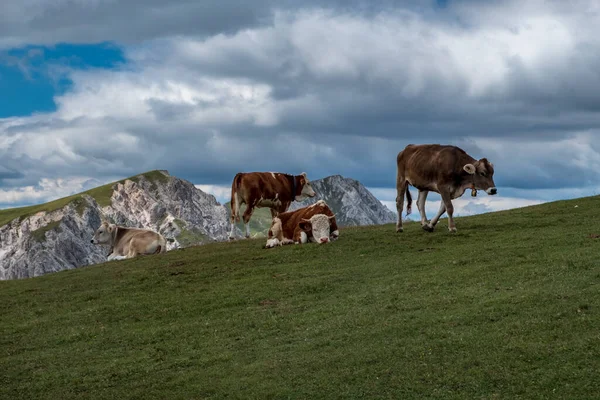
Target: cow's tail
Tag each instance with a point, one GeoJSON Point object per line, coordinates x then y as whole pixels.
{"type": "Point", "coordinates": [408, 200]}
{"type": "Point", "coordinates": [235, 203]}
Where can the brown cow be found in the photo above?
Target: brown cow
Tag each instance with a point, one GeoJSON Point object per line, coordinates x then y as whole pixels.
{"type": "Point", "coordinates": [129, 242]}
{"type": "Point", "coordinates": [315, 223]}
{"type": "Point", "coordinates": [447, 170]}
{"type": "Point", "coordinates": [266, 189]}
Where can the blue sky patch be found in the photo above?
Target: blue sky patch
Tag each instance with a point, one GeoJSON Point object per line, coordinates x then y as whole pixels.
{"type": "Point", "coordinates": [31, 76]}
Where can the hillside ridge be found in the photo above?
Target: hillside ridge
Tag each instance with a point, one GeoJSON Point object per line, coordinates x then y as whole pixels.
{"type": "Point", "coordinates": [375, 313]}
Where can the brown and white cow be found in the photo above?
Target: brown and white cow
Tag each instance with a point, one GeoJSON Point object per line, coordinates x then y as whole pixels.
{"type": "Point", "coordinates": [129, 242]}
{"type": "Point", "coordinates": [315, 223]}
{"type": "Point", "coordinates": [274, 190]}
{"type": "Point", "coordinates": [447, 170]}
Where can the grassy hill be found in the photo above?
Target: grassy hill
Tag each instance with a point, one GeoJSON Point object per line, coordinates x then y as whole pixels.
{"type": "Point", "coordinates": [102, 194]}
{"type": "Point", "coordinates": [506, 308]}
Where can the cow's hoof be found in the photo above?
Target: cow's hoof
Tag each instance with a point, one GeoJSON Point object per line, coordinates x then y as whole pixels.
{"type": "Point", "coordinates": [428, 228]}
{"type": "Point", "coordinates": [452, 230]}
{"type": "Point", "coordinates": [399, 229]}
{"type": "Point", "coordinates": [231, 238]}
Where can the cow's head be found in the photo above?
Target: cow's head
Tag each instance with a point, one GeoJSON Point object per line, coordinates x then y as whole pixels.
{"type": "Point", "coordinates": [317, 228]}
{"type": "Point", "coordinates": [482, 173]}
{"type": "Point", "coordinates": [104, 234]}
{"type": "Point", "coordinates": [307, 190]}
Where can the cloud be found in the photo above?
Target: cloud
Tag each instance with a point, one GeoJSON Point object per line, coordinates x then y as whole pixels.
{"type": "Point", "coordinates": [463, 206]}
{"type": "Point", "coordinates": [328, 90]}
{"type": "Point", "coordinates": [46, 190]}
{"type": "Point", "coordinates": [221, 193]}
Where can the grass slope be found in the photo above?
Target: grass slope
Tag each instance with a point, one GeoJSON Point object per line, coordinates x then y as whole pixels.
{"type": "Point", "coordinates": [506, 308]}
{"type": "Point", "coordinates": [102, 194]}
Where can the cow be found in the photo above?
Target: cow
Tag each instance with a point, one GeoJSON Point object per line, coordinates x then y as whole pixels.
{"type": "Point", "coordinates": [274, 190]}
{"type": "Point", "coordinates": [315, 223]}
{"type": "Point", "coordinates": [447, 170]}
{"type": "Point", "coordinates": [129, 242]}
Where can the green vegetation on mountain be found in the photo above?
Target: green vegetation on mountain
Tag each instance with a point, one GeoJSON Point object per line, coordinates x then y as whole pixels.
{"type": "Point", "coordinates": [259, 223]}
{"type": "Point", "coordinates": [506, 308]}
{"type": "Point", "coordinates": [101, 194]}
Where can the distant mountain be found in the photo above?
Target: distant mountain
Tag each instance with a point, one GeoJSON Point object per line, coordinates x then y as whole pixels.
{"type": "Point", "coordinates": [350, 201]}
{"type": "Point", "coordinates": [55, 236]}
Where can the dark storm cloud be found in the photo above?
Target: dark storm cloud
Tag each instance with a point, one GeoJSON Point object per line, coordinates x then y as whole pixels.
{"type": "Point", "coordinates": [132, 21]}
{"type": "Point", "coordinates": [340, 91]}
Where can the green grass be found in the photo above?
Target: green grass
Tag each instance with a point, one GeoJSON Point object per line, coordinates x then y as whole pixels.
{"type": "Point", "coordinates": [154, 177]}
{"type": "Point", "coordinates": [102, 194]}
{"type": "Point", "coordinates": [507, 308]}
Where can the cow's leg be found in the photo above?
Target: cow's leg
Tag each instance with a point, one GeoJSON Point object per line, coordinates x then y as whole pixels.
{"type": "Point", "coordinates": [246, 217]}
{"type": "Point", "coordinates": [445, 206]}
{"type": "Point", "coordinates": [231, 235]}
{"type": "Point", "coordinates": [401, 188]}
{"type": "Point", "coordinates": [421, 205]}
{"type": "Point", "coordinates": [431, 225]}
{"type": "Point", "coordinates": [235, 213]}
{"type": "Point", "coordinates": [114, 257]}
{"type": "Point", "coordinates": [447, 200]}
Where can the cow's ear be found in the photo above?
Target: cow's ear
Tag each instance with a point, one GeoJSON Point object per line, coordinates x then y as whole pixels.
{"type": "Point", "coordinates": [303, 174]}
{"type": "Point", "coordinates": [305, 226]}
{"type": "Point", "coordinates": [469, 168]}
{"type": "Point", "coordinates": [484, 161]}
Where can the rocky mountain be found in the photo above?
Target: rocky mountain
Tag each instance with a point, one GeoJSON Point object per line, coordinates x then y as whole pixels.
{"type": "Point", "coordinates": [350, 201]}
{"type": "Point", "coordinates": [56, 235]}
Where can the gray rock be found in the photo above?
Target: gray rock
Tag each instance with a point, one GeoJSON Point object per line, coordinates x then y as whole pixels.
{"type": "Point", "coordinates": [350, 201]}
{"type": "Point", "coordinates": [53, 241]}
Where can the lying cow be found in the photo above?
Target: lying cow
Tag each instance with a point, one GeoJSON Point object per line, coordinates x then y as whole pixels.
{"type": "Point", "coordinates": [266, 189]}
{"type": "Point", "coordinates": [129, 242]}
{"type": "Point", "coordinates": [447, 170]}
{"type": "Point", "coordinates": [315, 223]}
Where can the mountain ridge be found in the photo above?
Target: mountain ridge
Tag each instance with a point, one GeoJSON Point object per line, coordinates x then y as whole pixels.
{"type": "Point", "coordinates": [53, 236]}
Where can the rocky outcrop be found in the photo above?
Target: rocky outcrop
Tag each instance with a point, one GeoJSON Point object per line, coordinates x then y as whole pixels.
{"type": "Point", "coordinates": [350, 201]}
{"type": "Point", "coordinates": [60, 239]}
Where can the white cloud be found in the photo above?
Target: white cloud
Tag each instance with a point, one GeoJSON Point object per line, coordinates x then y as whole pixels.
{"type": "Point", "coordinates": [221, 193]}
{"type": "Point", "coordinates": [47, 190]}
{"type": "Point", "coordinates": [464, 206]}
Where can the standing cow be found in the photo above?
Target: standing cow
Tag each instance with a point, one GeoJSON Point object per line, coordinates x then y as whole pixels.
{"type": "Point", "coordinates": [266, 189]}
{"type": "Point", "coordinates": [447, 170]}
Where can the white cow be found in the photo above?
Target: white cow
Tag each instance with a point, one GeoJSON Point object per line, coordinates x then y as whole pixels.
{"type": "Point", "coordinates": [129, 242]}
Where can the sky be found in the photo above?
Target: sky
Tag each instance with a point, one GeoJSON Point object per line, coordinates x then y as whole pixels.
{"type": "Point", "coordinates": [98, 90]}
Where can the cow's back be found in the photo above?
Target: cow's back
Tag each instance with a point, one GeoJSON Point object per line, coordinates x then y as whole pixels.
{"type": "Point", "coordinates": [127, 237]}
{"type": "Point", "coordinates": [265, 185]}
{"type": "Point", "coordinates": [423, 164]}
{"type": "Point", "coordinates": [291, 219]}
